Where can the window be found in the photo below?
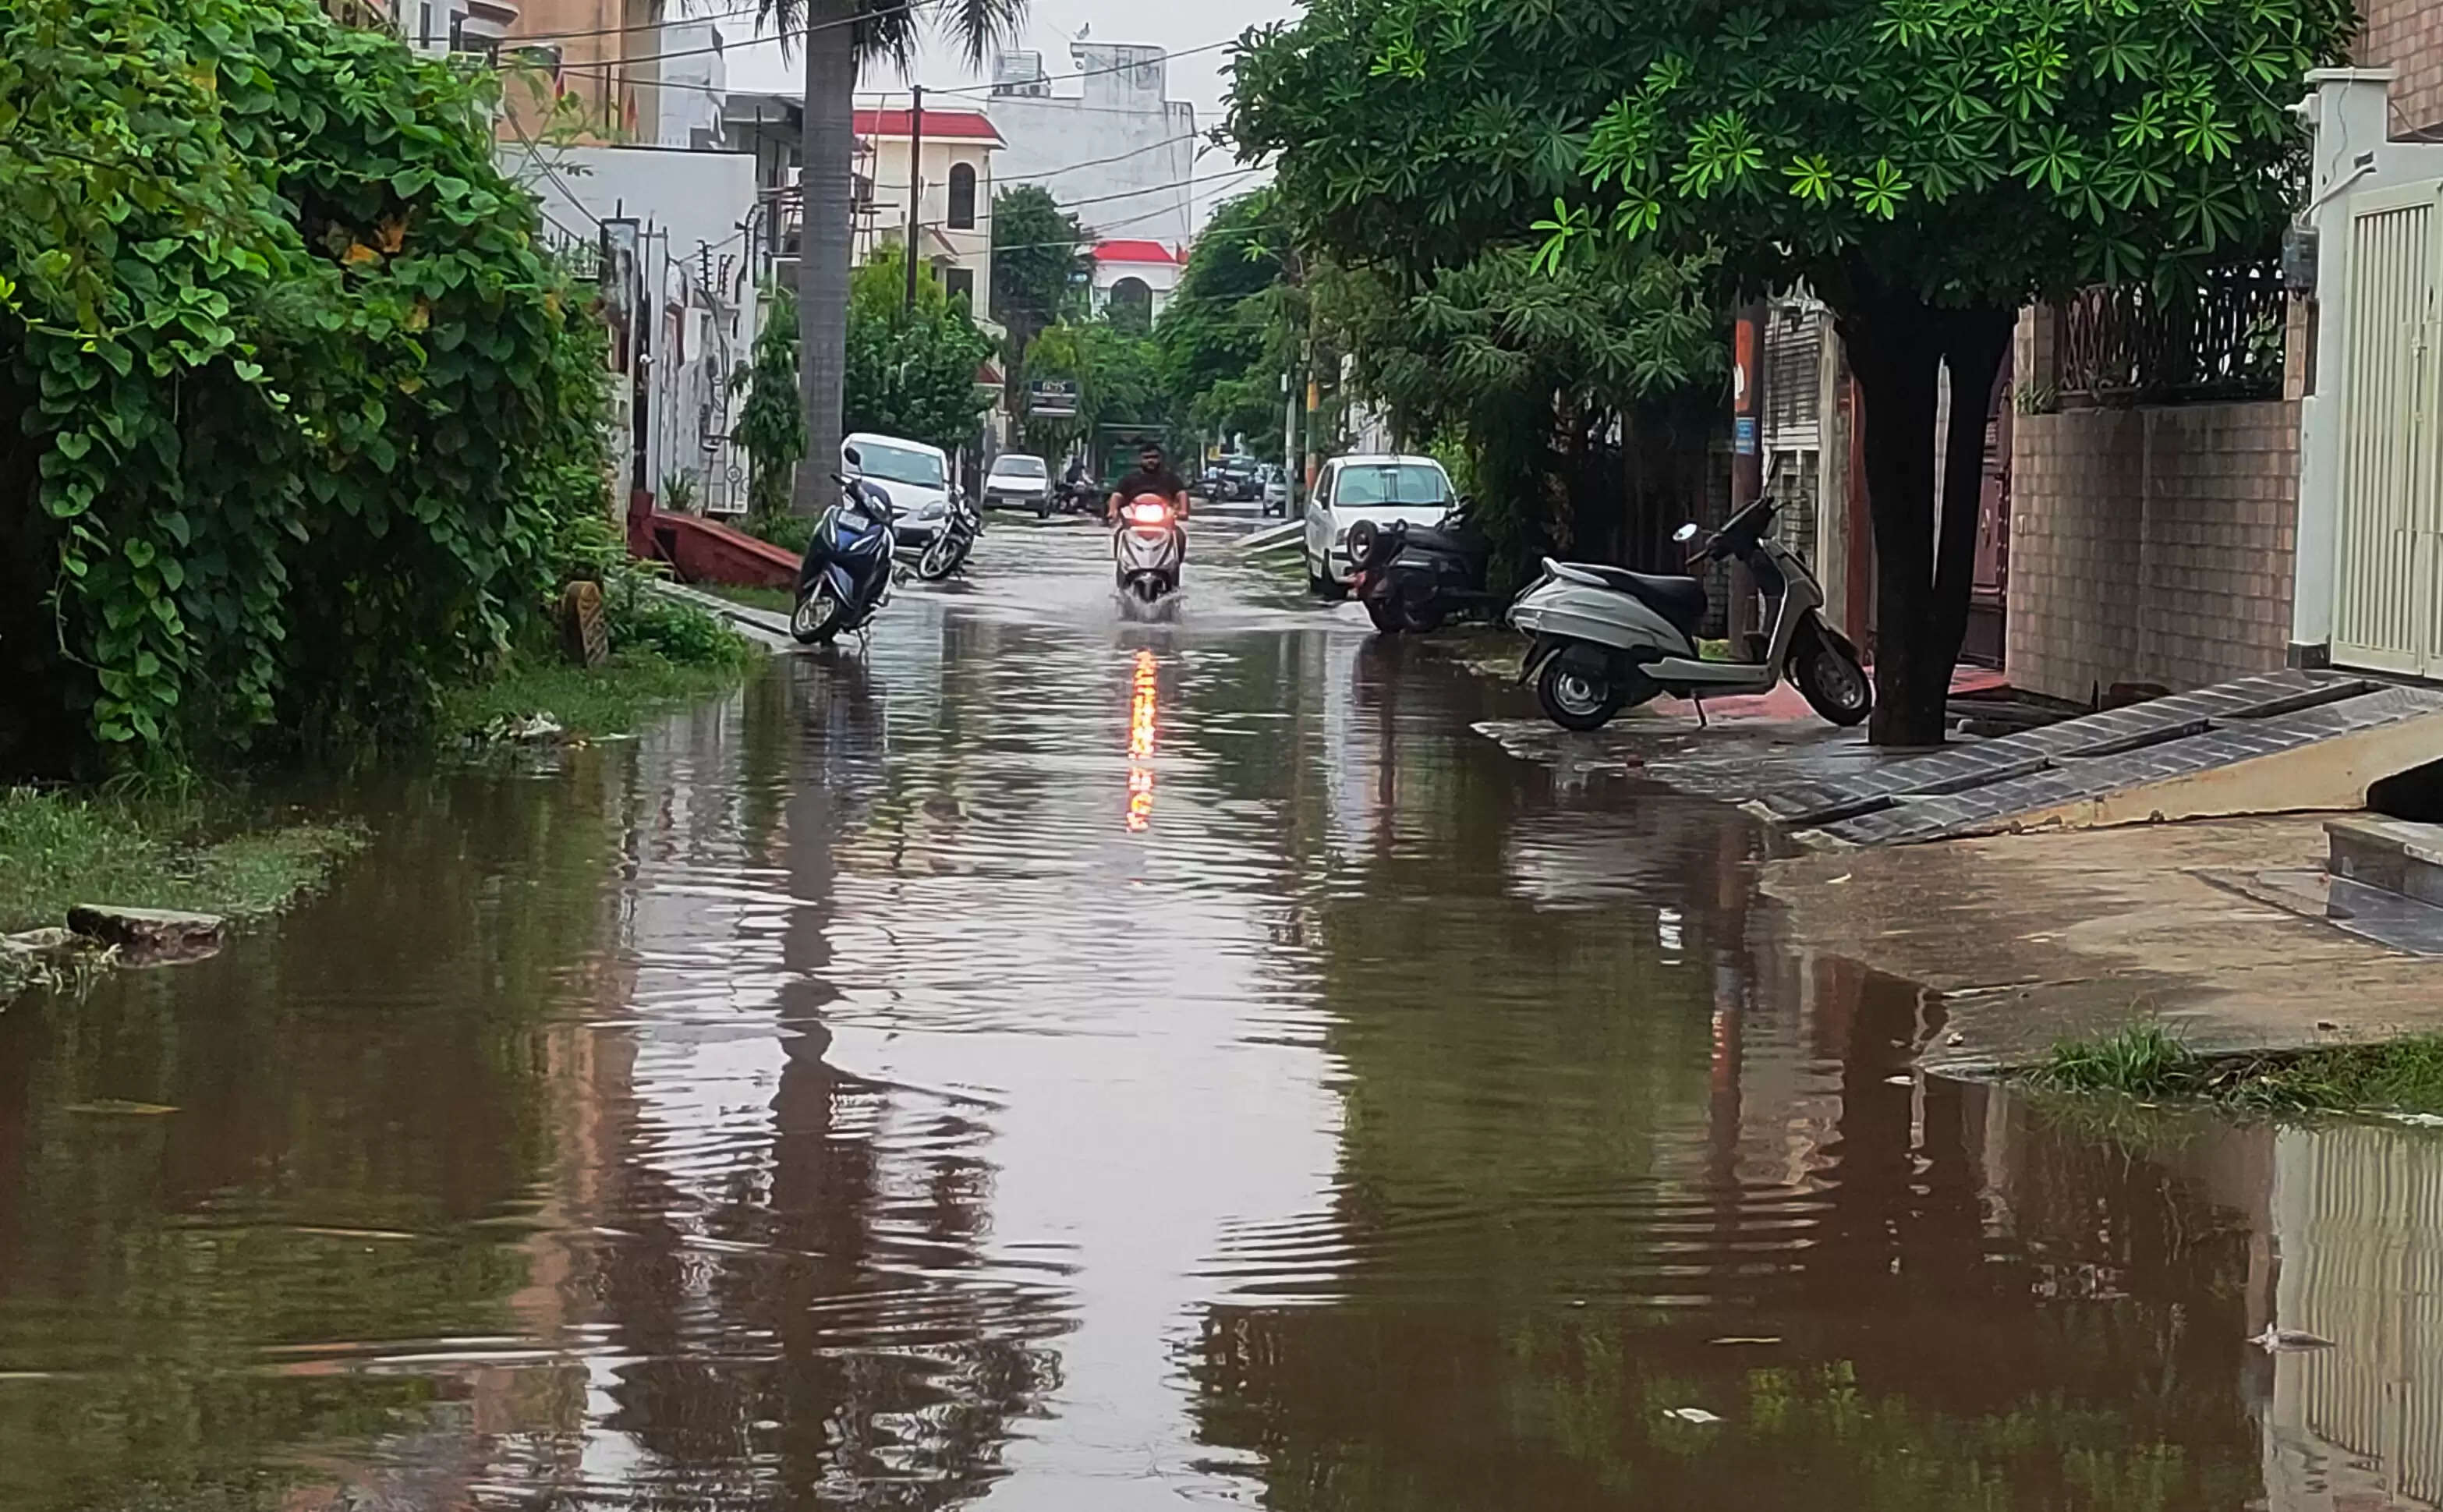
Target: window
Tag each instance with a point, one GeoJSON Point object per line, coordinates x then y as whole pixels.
{"type": "Point", "coordinates": [962, 197]}
{"type": "Point", "coordinates": [960, 282]}
{"type": "Point", "coordinates": [1390, 483]}
{"type": "Point", "coordinates": [1130, 305]}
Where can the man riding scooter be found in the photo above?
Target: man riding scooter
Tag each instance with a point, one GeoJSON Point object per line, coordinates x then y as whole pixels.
{"type": "Point", "coordinates": [1153, 476]}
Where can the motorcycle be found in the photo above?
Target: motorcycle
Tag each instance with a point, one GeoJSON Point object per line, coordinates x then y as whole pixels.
{"type": "Point", "coordinates": [1077, 496]}
{"type": "Point", "coordinates": [1605, 638]}
{"type": "Point", "coordinates": [1415, 578]}
{"type": "Point", "coordinates": [946, 552]}
{"type": "Point", "coordinates": [1148, 548]}
{"type": "Point", "coordinates": [846, 573]}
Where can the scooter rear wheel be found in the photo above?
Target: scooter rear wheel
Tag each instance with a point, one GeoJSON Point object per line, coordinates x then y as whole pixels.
{"type": "Point", "coordinates": [1578, 694]}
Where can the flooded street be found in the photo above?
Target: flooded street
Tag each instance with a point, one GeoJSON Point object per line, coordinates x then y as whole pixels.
{"type": "Point", "coordinates": [1050, 1063]}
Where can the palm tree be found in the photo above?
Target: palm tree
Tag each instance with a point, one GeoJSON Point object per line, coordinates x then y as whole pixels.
{"type": "Point", "coordinates": [839, 37]}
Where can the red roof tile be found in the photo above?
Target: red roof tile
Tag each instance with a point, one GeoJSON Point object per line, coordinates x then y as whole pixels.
{"type": "Point", "coordinates": [1126, 251]}
{"type": "Point", "coordinates": [971, 125]}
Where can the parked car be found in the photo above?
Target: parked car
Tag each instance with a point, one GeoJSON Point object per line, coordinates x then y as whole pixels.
{"type": "Point", "coordinates": [1378, 487]}
{"type": "Point", "coordinates": [1018, 481]}
{"type": "Point", "coordinates": [1276, 489]}
{"type": "Point", "coordinates": [915, 475]}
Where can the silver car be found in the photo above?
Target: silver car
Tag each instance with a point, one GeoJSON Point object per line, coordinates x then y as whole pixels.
{"type": "Point", "coordinates": [1018, 481]}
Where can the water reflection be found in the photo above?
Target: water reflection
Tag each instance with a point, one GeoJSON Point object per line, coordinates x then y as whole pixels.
{"type": "Point", "coordinates": [1143, 687]}
{"type": "Point", "coordinates": [768, 1113]}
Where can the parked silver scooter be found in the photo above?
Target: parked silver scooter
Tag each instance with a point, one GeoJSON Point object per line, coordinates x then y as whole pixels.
{"type": "Point", "coordinates": [1605, 638]}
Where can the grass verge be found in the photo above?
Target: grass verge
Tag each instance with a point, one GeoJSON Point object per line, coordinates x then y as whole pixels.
{"type": "Point", "coordinates": [58, 849]}
{"type": "Point", "coordinates": [663, 653]}
{"type": "Point", "coordinates": [2144, 1062]}
{"type": "Point", "coordinates": [779, 600]}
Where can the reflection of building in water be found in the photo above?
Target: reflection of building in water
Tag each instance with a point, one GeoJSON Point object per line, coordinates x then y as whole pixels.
{"type": "Point", "coordinates": [2358, 1216]}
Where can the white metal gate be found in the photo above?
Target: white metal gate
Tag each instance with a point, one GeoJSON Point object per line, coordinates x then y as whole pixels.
{"type": "Point", "coordinates": [2387, 610]}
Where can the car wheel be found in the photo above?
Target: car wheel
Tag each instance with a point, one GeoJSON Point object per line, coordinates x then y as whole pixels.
{"type": "Point", "coordinates": [1318, 582]}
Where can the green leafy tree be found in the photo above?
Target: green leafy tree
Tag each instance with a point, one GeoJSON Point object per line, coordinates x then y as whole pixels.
{"type": "Point", "coordinates": [1119, 379]}
{"type": "Point", "coordinates": [839, 38]}
{"type": "Point", "coordinates": [1234, 325]}
{"type": "Point", "coordinates": [1040, 263]}
{"type": "Point", "coordinates": [294, 413]}
{"type": "Point", "coordinates": [771, 422]}
{"type": "Point", "coordinates": [1532, 372]}
{"type": "Point", "coordinates": [1925, 166]}
{"type": "Point", "coordinates": [912, 372]}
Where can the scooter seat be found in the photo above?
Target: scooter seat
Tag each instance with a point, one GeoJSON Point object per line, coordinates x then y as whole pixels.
{"type": "Point", "coordinates": [1679, 601]}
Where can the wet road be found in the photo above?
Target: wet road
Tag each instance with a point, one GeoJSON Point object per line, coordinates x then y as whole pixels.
{"type": "Point", "coordinates": [1051, 1063]}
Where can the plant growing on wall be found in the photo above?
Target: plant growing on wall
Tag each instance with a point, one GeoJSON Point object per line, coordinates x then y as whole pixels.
{"type": "Point", "coordinates": [292, 409]}
{"type": "Point", "coordinates": [1926, 166]}
{"type": "Point", "coordinates": [772, 422]}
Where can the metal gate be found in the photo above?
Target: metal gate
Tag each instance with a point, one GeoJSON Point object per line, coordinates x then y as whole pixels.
{"type": "Point", "coordinates": [2387, 614]}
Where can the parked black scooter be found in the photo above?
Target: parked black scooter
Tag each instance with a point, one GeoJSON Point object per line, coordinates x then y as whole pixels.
{"type": "Point", "coordinates": [1415, 578]}
{"type": "Point", "coordinates": [846, 573]}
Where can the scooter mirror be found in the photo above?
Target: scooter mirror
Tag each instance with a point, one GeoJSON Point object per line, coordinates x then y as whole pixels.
{"type": "Point", "coordinates": [1685, 533]}
{"type": "Point", "coordinates": [856, 461]}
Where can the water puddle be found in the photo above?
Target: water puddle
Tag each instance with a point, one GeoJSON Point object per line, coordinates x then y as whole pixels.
{"type": "Point", "coordinates": [1048, 1062]}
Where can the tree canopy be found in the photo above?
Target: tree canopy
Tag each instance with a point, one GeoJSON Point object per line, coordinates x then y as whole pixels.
{"type": "Point", "coordinates": [772, 422]}
{"type": "Point", "coordinates": [1118, 376]}
{"type": "Point", "coordinates": [1925, 165]}
{"type": "Point", "coordinates": [1038, 259]}
{"type": "Point", "coordinates": [293, 407]}
{"type": "Point", "coordinates": [1233, 326]}
{"type": "Point", "coordinates": [912, 372]}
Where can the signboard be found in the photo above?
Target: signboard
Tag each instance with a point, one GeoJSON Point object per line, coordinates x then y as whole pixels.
{"type": "Point", "coordinates": [1051, 398]}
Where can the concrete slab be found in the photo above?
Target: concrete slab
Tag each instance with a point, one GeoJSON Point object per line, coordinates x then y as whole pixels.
{"type": "Point", "coordinates": [2283, 742]}
{"type": "Point", "coordinates": [2033, 938]}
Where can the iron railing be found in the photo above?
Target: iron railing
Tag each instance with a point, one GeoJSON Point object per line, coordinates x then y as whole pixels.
{"type": "Point", "coordinates": [2214, 342]}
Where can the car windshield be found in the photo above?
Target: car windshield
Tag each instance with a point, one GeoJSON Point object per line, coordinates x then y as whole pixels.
{"type": "Point", "coordinates": [1391, 483]}
{"type": "Point", "coordinates": [899, 464]}
{"type": "Point", "coordinates": [1019, 466]}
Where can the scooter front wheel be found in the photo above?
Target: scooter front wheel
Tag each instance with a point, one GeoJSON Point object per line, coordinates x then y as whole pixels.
{"type": "Point", "coordinates": [1576, 693]}
{"type": "Point", "coordinates": [816, 619]}
{"type": "Point", "coordinates": [1829, 676]}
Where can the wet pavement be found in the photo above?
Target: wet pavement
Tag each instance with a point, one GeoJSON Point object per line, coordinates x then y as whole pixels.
{"type": "Point", "coordinates": [1047, 1061]}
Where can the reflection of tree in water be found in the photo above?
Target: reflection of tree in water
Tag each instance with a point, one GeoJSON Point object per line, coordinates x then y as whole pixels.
{"type": "Point", "coordinates": [832, 1337]}
{"type": "Point", "coordinates": [1567, 1168]}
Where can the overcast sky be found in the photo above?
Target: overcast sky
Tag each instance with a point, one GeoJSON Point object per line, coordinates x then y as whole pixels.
{"type": "Point", "coordinates": [1197, 77]}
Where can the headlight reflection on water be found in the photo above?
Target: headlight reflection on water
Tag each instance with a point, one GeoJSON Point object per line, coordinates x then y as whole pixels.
{"type": "Point", "coordinates": [1141, 728]}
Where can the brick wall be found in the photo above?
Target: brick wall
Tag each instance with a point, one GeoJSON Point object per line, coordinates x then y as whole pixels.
{"type": "Point", "coordinates": [2151, 546]}
{"type": "Point", "coordinates": [2407, 35]}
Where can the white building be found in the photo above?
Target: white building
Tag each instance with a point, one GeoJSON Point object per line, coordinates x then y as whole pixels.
{"type": "Point", "coordinates": [955, 190]}
{"type": "Point", "coordinates": [1136, 273]}
{"type": "Point", "coordinates": [437, 27]}
{"type": "Point", "coordinates": [693, 88]}
{"type": "Point", "coordinates": [685, 268]}
{"type": "Point", "coordinates": [1118, 154]}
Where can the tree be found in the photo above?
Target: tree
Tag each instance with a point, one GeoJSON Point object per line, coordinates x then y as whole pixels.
{"type": "Point", "coordinates": [1038, 258]}
{"type": "Point", "coordinates": [295, 415]}
{"type": "Point", "coordinates": [1119, 381]}
{"type": "Point", "coordinates": [1233, 326]}
{"type": "Point", "coordinates": [1925, 166]}
{"type": "Point", "coordinates": [771, 423]}
{"type": "Point", "coordinates": [912, 372]}
{"type": "Point", "coordinates": [839, 37]}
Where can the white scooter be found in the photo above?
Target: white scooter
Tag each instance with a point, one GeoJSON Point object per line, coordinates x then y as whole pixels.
{"type": "Point", "coordinates": [1148, 548]}
{"type": "Point", "coordinates": [1605, 638]}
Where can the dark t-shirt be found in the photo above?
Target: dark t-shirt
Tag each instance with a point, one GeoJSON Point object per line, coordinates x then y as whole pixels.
{"type": "Point", "coordinates": [1161, 481]}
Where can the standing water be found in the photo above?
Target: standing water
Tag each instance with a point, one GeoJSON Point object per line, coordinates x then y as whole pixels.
{"type": "Point", "coordinates": [1053, 1063]}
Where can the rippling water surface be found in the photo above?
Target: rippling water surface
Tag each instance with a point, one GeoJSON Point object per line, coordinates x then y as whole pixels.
{"type": "Point", "coordinates": [1047, 1061]}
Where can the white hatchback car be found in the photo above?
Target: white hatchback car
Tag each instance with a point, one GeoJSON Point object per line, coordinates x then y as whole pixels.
{"type": "Point", "coordinates": [1018, 481]}
{"type": "Point", "coordinates": [1380, 487]}
{"type": "Point", "coordinates": [915, 475]}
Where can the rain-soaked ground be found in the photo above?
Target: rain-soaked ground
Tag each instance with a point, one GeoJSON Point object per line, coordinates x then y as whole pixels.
{"type": "Point", "coordinates": [1053, 1063]}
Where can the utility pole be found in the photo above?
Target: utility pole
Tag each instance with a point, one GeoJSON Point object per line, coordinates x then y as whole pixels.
{"type": "Point", "coordinates": [915, 183]}
{"type": "Point", "coordinates": [1747, 458]}
{"type": "Point", "coordinates": [1290, 468]}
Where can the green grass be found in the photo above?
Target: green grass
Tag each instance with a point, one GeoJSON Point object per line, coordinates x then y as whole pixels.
{"type": "Point", "coordinates": [58, 849]}
{"type": "Point", "coordinates": [2147, 1064]}
{"type": "Point", "coordinates": [779, 600]}
{"type": "Point", "coordinates": [610, 699]}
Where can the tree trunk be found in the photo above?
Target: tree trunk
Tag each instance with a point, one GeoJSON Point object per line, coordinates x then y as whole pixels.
{"type": "Point", "coordinates": [1925, 559]}
{"type": "Point", "coordinates": [824, 235]}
